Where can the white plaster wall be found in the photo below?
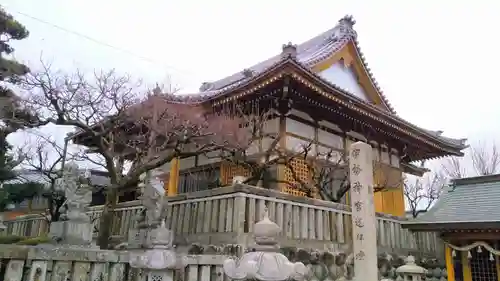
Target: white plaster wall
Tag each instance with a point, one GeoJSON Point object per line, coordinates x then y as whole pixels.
{"type": "Point", "coordinates": [357, 136]}
{"type": "Point", "coordinates": [384, 155]}
{"type": "Point", "coordinates": [330, 139]}
{"type": "Point", "coordinates": [330, 125]}
{"type": "Point", "coordinates": [211, 158]}
{"type": "Point", "coordinates": [272, 126]}
{"type": "Point", "coordinates": [253, 148]}
{"type": "Point", "coordinates": [395, 159]}
{"type": "Point", "coordinates": [376, 153]}
{"type": "Point", "coordinates": [297, 145]}
{"type": "Point", "coordinates": [299, 128]}
{"type": "Point", "coordinates": [335, 156]}
{"type": "Point", "coordinates": [187, 163]}
{"type": "Point", "coordinates": [345, 78]}
{"type": "Point", "coordinates": [267, 142]}
{"type": "Point", "coordinates": [349, 142]}
{"type": "Point", "coordinates": [301, 114]}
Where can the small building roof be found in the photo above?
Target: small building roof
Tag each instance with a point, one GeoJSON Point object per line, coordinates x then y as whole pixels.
{"type": "Point", "coordinates": [469, 203]}
{"type": "Point", "coordinates": [97, 178]}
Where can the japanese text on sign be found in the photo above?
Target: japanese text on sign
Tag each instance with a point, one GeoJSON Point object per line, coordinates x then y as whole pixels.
{"type": "Point", "coordinates": [360, 255]}
{"type": "Point", "coordinates": [358, 206]}
{"type": "Point", "coordinates": [357, 187]}
{"type": "Point", "coordinates": [356, 169]}
{"type": "Point", "coordinates": [359, 222]}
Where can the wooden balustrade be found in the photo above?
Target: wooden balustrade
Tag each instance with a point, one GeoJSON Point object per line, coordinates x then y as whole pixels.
{"type": "Point", "coordinates": [228, 215]}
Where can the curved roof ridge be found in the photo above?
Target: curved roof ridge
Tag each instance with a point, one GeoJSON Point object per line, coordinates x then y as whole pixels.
{"type": "Point", "coordinates": [313, 45]}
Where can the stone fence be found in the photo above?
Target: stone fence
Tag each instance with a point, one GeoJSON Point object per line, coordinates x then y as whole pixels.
{"type": "Point", "coordinates": [227, 216]}
{"type": "Point", "coordinates": [44, 263]}
{"type": "Point", "coordinates": [30, 263]}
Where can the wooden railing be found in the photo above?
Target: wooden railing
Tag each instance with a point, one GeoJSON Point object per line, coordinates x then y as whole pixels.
{"type": "Point", "coordinates": [228, 215]}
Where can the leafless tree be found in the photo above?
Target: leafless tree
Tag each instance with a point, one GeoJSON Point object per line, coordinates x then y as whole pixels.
{"type": "Point", "coordinates": [485, 161]}
{"type": "Point", "coordinates": [121, 123]}
{"type": "Point", "coordinates": [422, 193]}
{"type": "Point", "coordinates": [453, 168]}
{"type": "Point", "coordinates": [479, 160]}
{"type": "Point", "coordinates": [44, 155]}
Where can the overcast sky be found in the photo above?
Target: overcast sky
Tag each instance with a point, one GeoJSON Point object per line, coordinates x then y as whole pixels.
{"type": "Point", "coordinates": [437, 61]}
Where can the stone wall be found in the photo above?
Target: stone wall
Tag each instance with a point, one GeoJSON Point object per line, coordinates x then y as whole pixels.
{"type": "Point", "coordinates": [45, 263]}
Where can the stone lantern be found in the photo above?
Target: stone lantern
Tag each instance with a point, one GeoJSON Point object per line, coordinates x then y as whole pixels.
{"type": "Point", "coordinates": [411, 271]}
{"type": "Point", "coordinates": [161, 259]}
{"type": "Point", "coordinates": [265, 262]}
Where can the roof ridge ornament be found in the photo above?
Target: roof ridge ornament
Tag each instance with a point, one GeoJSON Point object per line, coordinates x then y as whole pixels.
{"type": "Point", "coordinates": [157, 89]}
{"type": "Point", "coordinates": [289, 50]}
{"type": "Point", "coordinates": [205, 86]}
{"type": "Point", "coordinates": [346, 26]}
{"type": "Point", "coordinates": [348, 20]}
{"type": "Point", "coordinates": [247, 72]}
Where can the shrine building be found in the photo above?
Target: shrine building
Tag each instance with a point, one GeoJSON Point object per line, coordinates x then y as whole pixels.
{"type": "Point", "coordinates": [467, 218]}
{"type": "Point", "coordinates": [323, 92]}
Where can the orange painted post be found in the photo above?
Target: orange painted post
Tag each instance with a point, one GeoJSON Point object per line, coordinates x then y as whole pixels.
{"type": "Point", "coordinates": [173, 181]}
{"type": "Point", "coordinates": [449, 263]}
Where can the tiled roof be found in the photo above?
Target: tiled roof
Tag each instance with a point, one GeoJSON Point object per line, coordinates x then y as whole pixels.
{"type": "Point", "coordinates": [469, 200]}
{"type": "Point", "coordinates": [309, 53]}
{"type": "Point", "coordinates": [97, 178]}
{"type": "Point", "coordinates": [305, 56]}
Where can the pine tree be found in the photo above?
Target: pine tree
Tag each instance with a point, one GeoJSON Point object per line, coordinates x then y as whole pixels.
{"type": "Point", "coordinates": [10, 71]}
{"type": "Point", "coordinates": [12, 116]}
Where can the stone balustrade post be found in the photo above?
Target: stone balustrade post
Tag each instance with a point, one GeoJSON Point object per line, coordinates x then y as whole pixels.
{"type": "Point", "coordinates": [411, 271]}
{"type": "Point", "coordinates": [151, 244]}
{"type": "Point", "coordinates": [265, 262]}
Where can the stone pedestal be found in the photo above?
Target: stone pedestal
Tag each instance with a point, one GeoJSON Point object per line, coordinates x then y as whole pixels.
{"type": "Point", "coordinates": [75, 233]}
{"type": "Point", "coordinates": [363, 212]}
{"type": "Point", "coordinates": [156, 254]}
{"type": "Point", "coordinates": [266, 263]}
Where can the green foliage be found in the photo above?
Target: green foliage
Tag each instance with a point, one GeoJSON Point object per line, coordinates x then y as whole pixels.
{"type": "Point", "coordinates": [10, 29]}
{"type": "Point", "coordinates": [12, 114]}
{"type": "Point", "coordinates": [32, 241]}
{"type": "Point", "coordinates": [18, 192]}
{"type": "Point", "coordinates": [20, 240]}
{"type": "Point", "coordinates": [6, 161]}
{"type": "Point", "coordinates": [10, 239]}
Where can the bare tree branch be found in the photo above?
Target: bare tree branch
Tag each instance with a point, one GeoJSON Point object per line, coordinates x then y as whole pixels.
{"type": "Point", "coordinates": [485, 161]}
{"type": "Point", "coordinates": [121, 124]}
{"type": "Point", "coordinates": [421, 194]}
{"type": "Point", "coordinates": [479, 160]}
{"type": "Point", "coordinates": [45, 156]}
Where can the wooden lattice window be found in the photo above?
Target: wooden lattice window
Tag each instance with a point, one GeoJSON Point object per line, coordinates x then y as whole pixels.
{"type": "Point", "coordinates": [301, 170]}
{"type": "Point", "coordinates": [229, 170]}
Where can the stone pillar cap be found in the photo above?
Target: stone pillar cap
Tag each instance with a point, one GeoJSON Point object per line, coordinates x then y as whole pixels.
{"type": "Point", "coordinates": [266, 231]}
{"type": "Point", "coordinates": [411, 267]}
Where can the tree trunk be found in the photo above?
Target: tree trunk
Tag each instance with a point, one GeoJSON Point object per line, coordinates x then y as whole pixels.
{"type": "Point", "coordinates": [106, 220]}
